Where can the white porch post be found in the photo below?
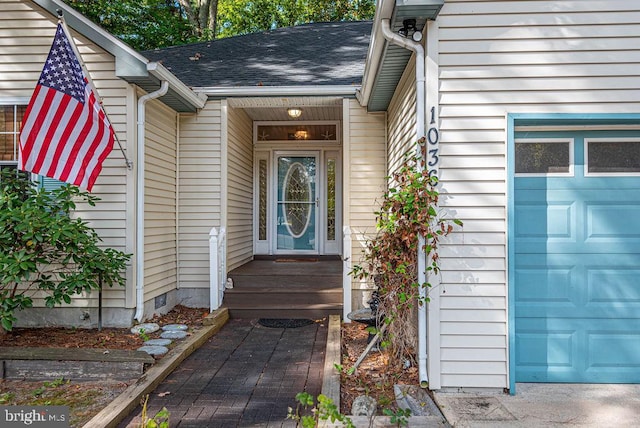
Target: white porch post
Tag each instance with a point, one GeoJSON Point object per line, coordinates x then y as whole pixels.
{"type": "Point", "coordinates": [217, 268]}
{"type": "Point", "coordinates": [346, 278]}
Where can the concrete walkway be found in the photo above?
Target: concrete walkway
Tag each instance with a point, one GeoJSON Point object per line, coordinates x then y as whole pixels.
{"type": "Point", "coordinates": [545, 405]}
{"type": "Point", "coordinates": [246, 375]}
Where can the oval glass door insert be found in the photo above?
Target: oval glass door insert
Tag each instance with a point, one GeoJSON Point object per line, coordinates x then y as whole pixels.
{"type": "Point", "coordinates": [297, 193]}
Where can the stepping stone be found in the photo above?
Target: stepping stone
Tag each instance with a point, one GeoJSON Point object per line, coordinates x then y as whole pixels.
{"type": "Point", "coordinates": [154, 350]}
{"type": "Point", "coordinates": [149, 327]}
{"type": "Point", "coordinates": [157, 342]}
{"type": "Point", "coordinates": [173, 334]}
{"type": "Point", "coordinates": [175, 327]}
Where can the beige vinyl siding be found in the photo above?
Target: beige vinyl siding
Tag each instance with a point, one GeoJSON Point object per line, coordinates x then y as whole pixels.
{"type": "Point", "coordinates": [402, 118]}
{"type": "Point", "coordinates": [199, 190]}
{"type": "Point", "coordinates": [239, 188]}
{"type": "Point", "coordinates": [365, 171]}
{"type": "Point", "coordinates": [26, 35]}
{"type": "Point", "coordinates": [160, 248]}
{"type": "Point", "coordinates": [499, 57]}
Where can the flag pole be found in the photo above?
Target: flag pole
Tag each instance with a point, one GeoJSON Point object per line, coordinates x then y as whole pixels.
{"type": "Point", "coordinates": [61, 21]}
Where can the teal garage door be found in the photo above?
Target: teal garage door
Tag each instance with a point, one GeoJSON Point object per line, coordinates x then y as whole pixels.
{"type": "Point", "coordinates": [577, 257]}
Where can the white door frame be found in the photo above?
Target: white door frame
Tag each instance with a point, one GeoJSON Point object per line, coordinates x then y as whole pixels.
{"type": "Point", "coordinates": [322, 155]}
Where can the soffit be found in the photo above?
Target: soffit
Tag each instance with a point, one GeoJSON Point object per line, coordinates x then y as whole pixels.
{"type": "Point", "coordinates": [275, 108]}
{"type": "Point", "coordinates": [394, 58]}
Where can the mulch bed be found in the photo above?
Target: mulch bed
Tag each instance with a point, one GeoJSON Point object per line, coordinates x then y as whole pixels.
{"type": "Point", "coordinates": [85, 399]}
{"type": "Point", "coordinates": [108, 338]}
{"type": "Point", "coordinates": [373, 377]}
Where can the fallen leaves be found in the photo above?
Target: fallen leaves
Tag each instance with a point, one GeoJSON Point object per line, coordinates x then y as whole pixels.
{"type": "Point", "coordinates": [373, 376]}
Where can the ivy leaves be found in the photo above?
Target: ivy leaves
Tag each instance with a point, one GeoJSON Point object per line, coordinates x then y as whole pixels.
{"type": "Point", "coordinates": [408, 211]}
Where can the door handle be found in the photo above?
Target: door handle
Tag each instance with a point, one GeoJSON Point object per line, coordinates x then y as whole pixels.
{"type": "Point", "coordinates": [317, 202]}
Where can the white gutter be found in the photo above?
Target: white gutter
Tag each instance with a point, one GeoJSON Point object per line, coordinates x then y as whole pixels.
{"type": "Point", "coordinates": [142, 101]}
{"type": "Point", "coordinates": [159, 71]}
{"type": "Point", "coordinates": [384, 10]}
{"type": "Point", "coordinates": [270, 91]}
{"type": "Point", "coordinates": [418, 49]}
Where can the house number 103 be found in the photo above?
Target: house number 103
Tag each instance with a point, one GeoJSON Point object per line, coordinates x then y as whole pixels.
{"type": "Point", "coordinates": [433, 138]}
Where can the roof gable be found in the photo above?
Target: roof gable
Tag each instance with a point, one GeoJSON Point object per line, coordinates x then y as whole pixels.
{"type": "Point", "coordinates": [330, 53]}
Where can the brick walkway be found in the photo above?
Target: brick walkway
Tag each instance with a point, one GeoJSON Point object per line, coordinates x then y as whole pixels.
{"type": "Point", "coordinates": [246, 375]}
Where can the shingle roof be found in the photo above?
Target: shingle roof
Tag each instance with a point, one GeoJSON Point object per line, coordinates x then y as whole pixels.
{"type": "Point", "coordinates": [331, 53]}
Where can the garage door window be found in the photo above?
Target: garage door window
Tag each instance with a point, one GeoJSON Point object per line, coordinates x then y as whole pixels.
{"type": "Point", "coordinates": [612, 156]}
{"type": "Point", "coordinates": [544, 157]}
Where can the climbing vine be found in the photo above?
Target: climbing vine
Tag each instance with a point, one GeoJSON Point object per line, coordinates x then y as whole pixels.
{"type": "Point", "coordinates": [408, 210]}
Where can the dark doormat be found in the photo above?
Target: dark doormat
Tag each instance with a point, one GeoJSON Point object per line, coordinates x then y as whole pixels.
{"type": "Point", "coordinates": [284, 322]}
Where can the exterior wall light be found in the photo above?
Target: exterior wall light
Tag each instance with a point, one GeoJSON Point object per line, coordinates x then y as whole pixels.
{"type": "Point", "coordinates": [409, 29]}
{"type": "Point", "coordinates": [294, 112]}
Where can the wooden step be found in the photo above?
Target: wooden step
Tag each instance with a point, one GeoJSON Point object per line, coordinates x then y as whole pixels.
{"type": "Point", "coordinates": [307, 311]}
{"type": "Point", "coordinates": [261, 297]}
{"type": "Point", "coordinates": [285, 288]}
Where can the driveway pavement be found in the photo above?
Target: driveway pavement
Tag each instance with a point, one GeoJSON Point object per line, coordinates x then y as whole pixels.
{"type": "Point", "coordinates": [545, 405]}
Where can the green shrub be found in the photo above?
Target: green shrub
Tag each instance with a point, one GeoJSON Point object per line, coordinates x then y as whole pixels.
{"type": "Point", "coordinates": [46, 251]}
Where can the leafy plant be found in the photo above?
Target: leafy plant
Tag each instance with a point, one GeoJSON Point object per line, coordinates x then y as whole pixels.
{"type": "Point", "coordinates": [323, 410]}
{"type": "Point", "coordinates": [408, 210]}
{"type": "Point", "coordinates": [6, 397]}
{"type": "Point", "coordinates": [55, 383]}
{"type": "Point", "coordinates": [143, 335]}
{"type": "Point", "coordinates": [47, 385]}
{"type": "Point", "coordinates": [45, 251]}
{"type": "Point", "coordinates": [160, 420]}
{"type": "Point", "coordinates": [400, 417]}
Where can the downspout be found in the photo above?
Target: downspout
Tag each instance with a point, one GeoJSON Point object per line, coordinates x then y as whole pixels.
{"type": "Point", "coordinates": [142, 101]}
{"type": "Point", "coordinates": [418, 49]}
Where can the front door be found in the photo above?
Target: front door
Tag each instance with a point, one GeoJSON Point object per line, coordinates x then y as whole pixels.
{"type": "Point", "coordinates": [297, 203]}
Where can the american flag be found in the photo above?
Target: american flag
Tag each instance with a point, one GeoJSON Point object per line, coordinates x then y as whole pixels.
{"type": "Point", "coordinates": [65, 134]}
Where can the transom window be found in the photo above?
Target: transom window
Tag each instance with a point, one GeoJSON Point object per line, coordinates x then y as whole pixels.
{"type": "Point", "coordinates": [317, 132]}
{"type": "Point", "coordinates": [541, 157]}
{"type": "Point", "coordinates": [612, 156]}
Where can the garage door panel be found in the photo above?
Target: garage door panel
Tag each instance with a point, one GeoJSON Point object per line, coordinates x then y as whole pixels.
{"type": "Point", "coordinates": [543, 354]}
{"type": "Point", "coordinates": [613, 348]}
{"type": "Point", "coordinates": [616, 223]}
{"type": "Point", "coordinates": [544, 221]}
{"type": "Point", "coordinates": [614, 286]}
{"type": "Point", "coordinates": [542, 284]}
{"type": "Point", "coordinates": [577, 276]}
{"type": "Point", "coordinates": [613, 353]}
{"type": "Point", "coordinates": [564, 350]}
{"type": "Point", "coordinates": [578, 285]}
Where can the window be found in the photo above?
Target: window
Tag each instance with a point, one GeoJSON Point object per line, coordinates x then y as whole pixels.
{"type": "Point", "coordinates": [10, 124]}
{"type": "Point", "coordinates": [612, 156]}
{"type": "Point", "coordinates": [544, 157]}
{"type": "Point", "coordinates": [318, 132]}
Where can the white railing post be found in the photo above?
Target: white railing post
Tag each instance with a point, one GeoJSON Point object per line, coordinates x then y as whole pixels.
{"type": "Point", "coordinates": [217, 267]}
{"type": "Point", "coordinates": [222, 262]}
{"type": "Point", "coordinates": [214, 276]}
{"type": "Point", "coordinates": [346, 278]}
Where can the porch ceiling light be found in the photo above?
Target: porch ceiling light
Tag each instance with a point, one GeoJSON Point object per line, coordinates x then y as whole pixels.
{"type": "Point", "coordinates": [294, 112]}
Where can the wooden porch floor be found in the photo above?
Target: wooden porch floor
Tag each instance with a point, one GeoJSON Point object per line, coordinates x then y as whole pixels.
{"type": "Point", "coordinates": [286, 287]}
